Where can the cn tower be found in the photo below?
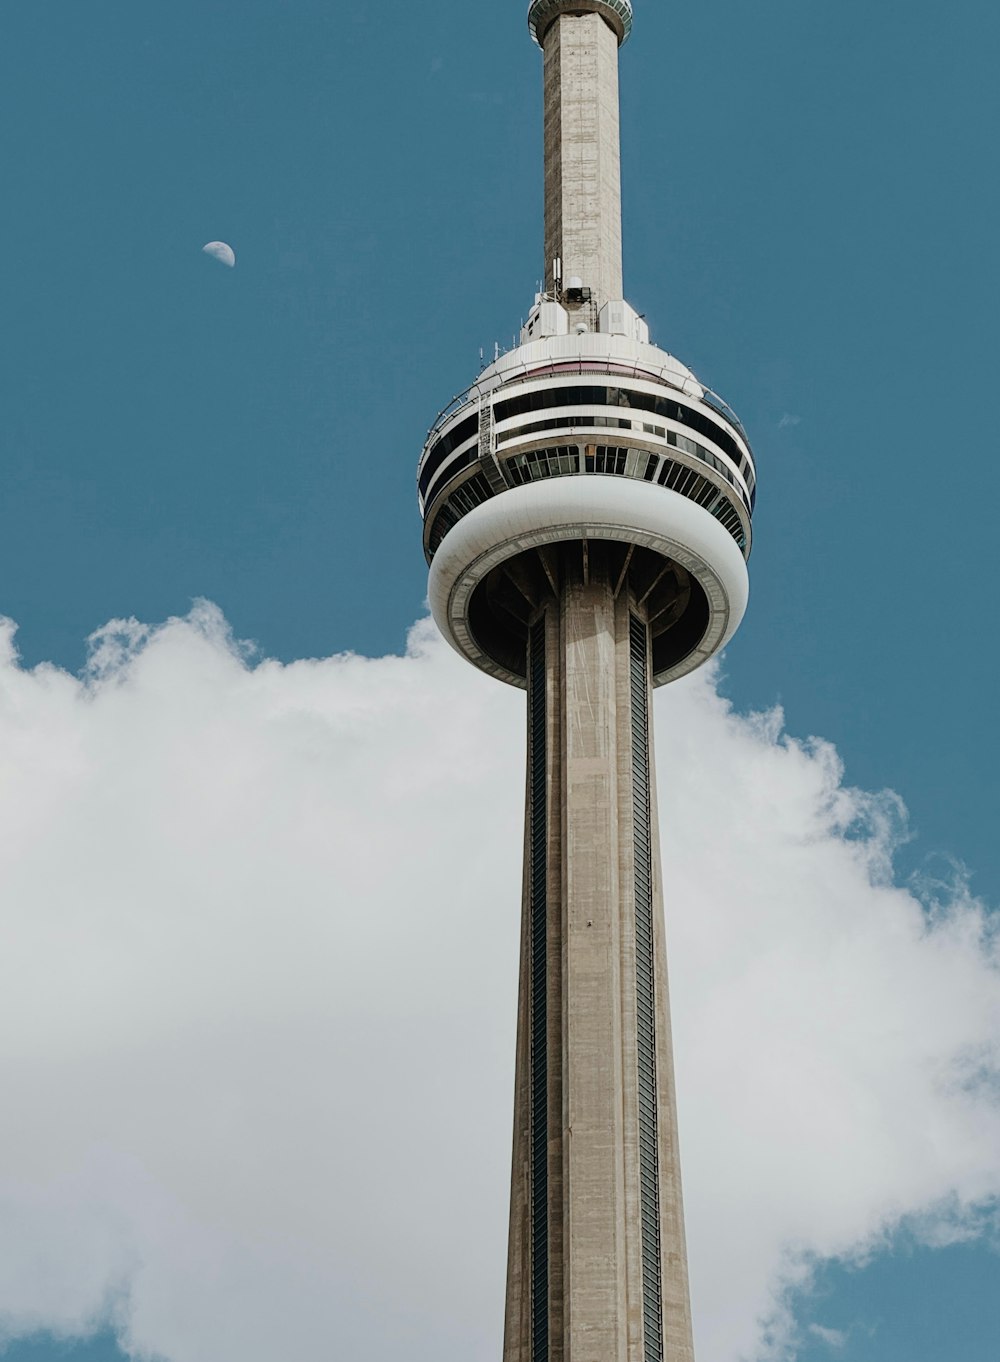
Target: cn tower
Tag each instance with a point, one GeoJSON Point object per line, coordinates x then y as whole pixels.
{"type": "Point", "coordinates": [587, 506]}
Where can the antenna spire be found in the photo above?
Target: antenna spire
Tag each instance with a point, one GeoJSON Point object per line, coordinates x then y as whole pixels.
{"type": "Point", "coordinates": [583, 227]}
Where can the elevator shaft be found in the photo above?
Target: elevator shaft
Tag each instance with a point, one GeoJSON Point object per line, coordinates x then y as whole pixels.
{"type": "Point", "coordinates": [597, 1264]}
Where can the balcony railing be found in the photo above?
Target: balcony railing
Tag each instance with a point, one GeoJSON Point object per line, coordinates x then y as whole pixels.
{"type": "Point", "coordinates": [587, 365]}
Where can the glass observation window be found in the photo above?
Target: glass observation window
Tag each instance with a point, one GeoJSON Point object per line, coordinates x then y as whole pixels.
{"type": "Point", "coordinates": [594, 395]}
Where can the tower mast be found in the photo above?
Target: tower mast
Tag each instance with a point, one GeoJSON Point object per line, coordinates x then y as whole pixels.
{"type": "Point", "coordinates": [587, 518]}
{"type": "Point", "coordinates": [583, 218]}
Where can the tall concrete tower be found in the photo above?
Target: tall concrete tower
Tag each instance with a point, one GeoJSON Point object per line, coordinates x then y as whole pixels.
{"type": "Point", "coordinates": [587, 509]}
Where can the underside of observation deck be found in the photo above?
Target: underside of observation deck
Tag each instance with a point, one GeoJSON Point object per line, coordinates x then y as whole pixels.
{"type": "Point", "coordinates": [506, 601]}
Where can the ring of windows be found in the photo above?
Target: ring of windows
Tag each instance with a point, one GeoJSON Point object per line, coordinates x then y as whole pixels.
{"type": "Point", "coordinates": [569, 459]}
{"type": "Point", "coordinates": [438, 466]}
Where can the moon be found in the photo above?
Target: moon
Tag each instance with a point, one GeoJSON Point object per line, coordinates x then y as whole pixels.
{"type": "Point", "coordinates": [221, 251]}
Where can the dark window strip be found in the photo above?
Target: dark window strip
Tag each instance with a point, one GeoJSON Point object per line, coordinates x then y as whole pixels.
{"type": "Point", "coordinates": [537, 933]}
{"type": "Point", "coordinates": [430, 489]}
{"type": "Point", "coordinates": [473, 492]}
{"type": "Point", "coordinates": [438, 452]}
{"type": "Point", "coordinates": [593, 395]}
{"type": "Point", "coordinates": [672, 437]}
{"type": "Point", "coordinates": [649, 1197]}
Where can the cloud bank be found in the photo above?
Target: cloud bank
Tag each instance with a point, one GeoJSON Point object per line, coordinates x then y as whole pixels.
{"type": "Point", "coordinates": [257, 984]}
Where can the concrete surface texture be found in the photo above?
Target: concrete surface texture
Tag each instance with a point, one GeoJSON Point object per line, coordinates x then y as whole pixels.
{"type": "Point", "coordinates": [597, 1268]}
{"type": "Point", "coordinates": [583, 224]}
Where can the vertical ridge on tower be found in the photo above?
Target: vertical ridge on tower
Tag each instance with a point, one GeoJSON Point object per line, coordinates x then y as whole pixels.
{"type": "Point", "coordinates": [538, 931]}
{"type": "Point", "coordinates": [649, 1174]}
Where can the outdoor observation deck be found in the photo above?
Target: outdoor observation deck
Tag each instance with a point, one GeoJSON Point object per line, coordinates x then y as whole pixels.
{"type": "Point", "coordinates": [580, 445]}
{"type": "Point", "coordinates": [613, 408]}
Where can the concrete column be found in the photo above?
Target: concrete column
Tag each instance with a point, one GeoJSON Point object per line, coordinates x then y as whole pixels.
{"type": "Point", "coordinates": [587, 1232]}
{"type": "Point", "coordinates": [583, 224]}
{"type": "Point", "coordinates": [595, 1287]}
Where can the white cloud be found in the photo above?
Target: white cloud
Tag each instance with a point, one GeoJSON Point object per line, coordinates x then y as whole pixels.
{"type": "Point", "coordinates": [788, 419]}
{"type": "Point", "coordinates": [257, 998]}
{"type": "Point", "coordinates": [833, 1338]}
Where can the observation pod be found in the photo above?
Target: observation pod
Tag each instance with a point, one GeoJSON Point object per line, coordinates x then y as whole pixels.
{"type": "Point", "coordinates": [576, 446]}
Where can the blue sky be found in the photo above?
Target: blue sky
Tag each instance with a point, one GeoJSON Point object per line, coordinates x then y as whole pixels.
{"type": "Point", "coordinates": [810, 212]}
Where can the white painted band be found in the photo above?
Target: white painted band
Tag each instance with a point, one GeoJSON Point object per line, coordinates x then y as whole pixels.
{"type": "Point", "coordinates": [588, 506]}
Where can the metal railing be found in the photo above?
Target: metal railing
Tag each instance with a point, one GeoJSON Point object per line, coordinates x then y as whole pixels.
{"type": "Point", "coordinates": [584, 365]}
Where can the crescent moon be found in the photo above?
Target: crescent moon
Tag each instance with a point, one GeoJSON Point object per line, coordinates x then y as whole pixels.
{"type": "Point", "coordinates": [221, 251]}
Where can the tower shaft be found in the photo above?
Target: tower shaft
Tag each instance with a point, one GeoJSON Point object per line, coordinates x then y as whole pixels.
{"type": "Point", "coordinates": [597, 1268]}
{"type": "Point", "coordinates": [583, 221]}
